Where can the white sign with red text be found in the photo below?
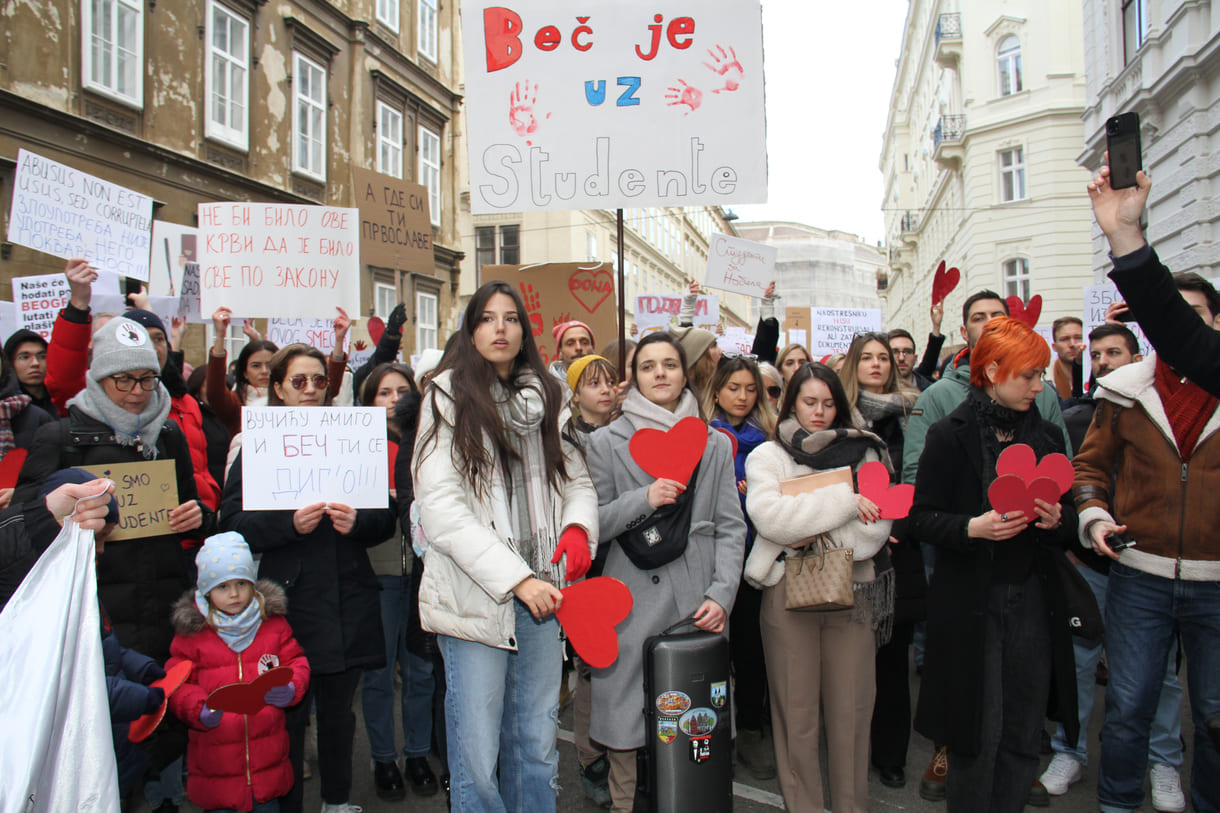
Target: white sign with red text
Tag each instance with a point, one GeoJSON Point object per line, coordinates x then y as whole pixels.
{"type": "Point", "coordinates": [37, 301]}
{"type": "Point", "coordinates": [655, 312]}
{"type": "Point", "coordinates": [834, 328]}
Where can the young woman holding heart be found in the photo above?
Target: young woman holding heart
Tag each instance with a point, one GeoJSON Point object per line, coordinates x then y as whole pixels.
{"type": "Point", "coordinates": [819, 656]}
{"type": "Point", "coordinates": [503, 501]}
{"type": "Point", "coordinates": [998, 641]}
{"type": "Point", "coordinates": [702, 578]}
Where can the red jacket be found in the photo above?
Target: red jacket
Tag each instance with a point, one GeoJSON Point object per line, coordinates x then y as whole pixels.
{"type": "Point", "coordinates": [68, 356]}
{"type": "Point", "coordinates": [185, 410]}
{"type": "Point", "coordinates": [245, 758]}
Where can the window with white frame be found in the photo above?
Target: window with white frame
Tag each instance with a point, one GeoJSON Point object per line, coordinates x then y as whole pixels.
{"type": "Point", "coordinates": [1012, 174]}
{"type": "Point", "coordinates": [385, 299]}
{"type": "Point", "coordinates": [590, 246]}
{"type": "Point", "coordinates": [1009, 60]}
{"type": "Point", "coordinates": [113, 46]}
{"type": "Point", "coordinates": [309, 117]}
{"type": "Point", "coordinates": [426, 29]}
{"type": "Point", "coordinates": [430, 170]}
{"type": "Point", "coordinates": [425, 321]}
{"type": "Point", "coordinates": [389, 140]}
{"type": "Point", "coordinates": [1135, 27]}
{"type": "Point", "coordinates": [1016, 278]}
{"type": "Point", "coordinates": [227, 76]}
{"type": "Point", "coordinates": [388, 14]}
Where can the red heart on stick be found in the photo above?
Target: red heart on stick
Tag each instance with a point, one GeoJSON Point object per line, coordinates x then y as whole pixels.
{"type": "Point", "coordinates": [943, 282]}
{"type": "Point", "coordinates": [376, 328]}
{"type": "Point", "coordinates": [141, 728]}
{"type": "Point", "coordinates": [10, 467]}
{"type": "Point", "coordinates": [589, 612]}
{"type": "Point", "coordinates": [1026, 313]}
{"type": "Point", "coordinates": [670, 455]}
{"type": "Point", "coordinates": [247, 698]}
{"type": "Point", "coordinates": [894, 501]}
{"type": "Point", "coordinates": [1019, 459]}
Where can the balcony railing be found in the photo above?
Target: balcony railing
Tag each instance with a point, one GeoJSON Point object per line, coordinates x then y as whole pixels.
{"type": "Point", "coordinates": [948, 27]}
{"type": "Point", "coordinates": [949, 128]}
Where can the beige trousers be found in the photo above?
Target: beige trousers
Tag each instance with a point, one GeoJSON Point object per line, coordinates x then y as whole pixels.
{"type": "Point", "coordinates": [828, 658]}
{"type": "Point", "coordinates": [622, 780]}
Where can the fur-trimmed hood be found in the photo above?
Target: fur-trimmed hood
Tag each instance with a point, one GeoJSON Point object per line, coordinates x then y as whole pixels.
{"type": "Point", "coordinates": [188, 620]}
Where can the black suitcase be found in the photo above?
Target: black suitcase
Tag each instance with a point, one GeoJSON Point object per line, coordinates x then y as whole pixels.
{"type": "Point", "coordinates": [689, 760]}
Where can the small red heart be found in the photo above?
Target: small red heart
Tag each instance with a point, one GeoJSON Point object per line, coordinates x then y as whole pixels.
{"type": "Point", "coordinates": [1045, 489]}
{"type": "Point", "coordinates": [1026, 313]}
{"type": "Point", "coordinates": [376, 328]}
{"type": "Point", "coordinates": [894, 501]}
{"type": "Point", "coordinates": [1019, 459]}
{"type": "Point", "coordinates": [247, 698]}
{"type": "Point", "coordinates": [589, 612]}
{"type": "Point", "coordinates": [943, 282]}
{"type": "Point", "coordinates": [1057, 468]}
{"type": "Point", "coordinates": [10, 467]}
{"type": "Point", "coordinates": [141, 728]}
{"type": "Point", "coordinates": [732, 438]}
{"type": "Point", "coordinates": [671, 455]}
{"type": "Point", "coordinates": [1008, 493]}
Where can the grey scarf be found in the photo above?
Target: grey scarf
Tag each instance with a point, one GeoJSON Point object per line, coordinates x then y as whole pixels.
{"type": "Point", "coordinates": [140, 431]}
{"type": "Point", "coordinates": [644, 414]}
{"type": "Point", "coordinates": [874, 407]}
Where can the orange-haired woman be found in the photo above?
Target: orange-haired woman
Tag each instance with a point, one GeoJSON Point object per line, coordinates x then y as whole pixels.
{"type": "Point", "coordinates": [997, 632]}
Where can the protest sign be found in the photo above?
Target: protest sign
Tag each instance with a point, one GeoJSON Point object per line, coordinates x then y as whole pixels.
{"type": "Point", "coordinates": [297, 456]}
{"type": "Point", "coordinates": [798, 336]}
{"type": "Point", "coordinates": [797, 319]}
{"type": "Point", "coordinates": [561, 116]}
{"type": "Point", "coordinates": [319, 333]}
{"type": "Point", "coordinates": [740, 265]}
{"type": "Point", "coordinates": [278, 259]}
{"type": "Point", "coordinates": [146, 493]}
{"type": "Point", "coordinates": [166, 307]}
{"type": "Point", "coordinates": [655, 312]}
{"type": "Point", "coordinates": [8, 319]}
{"type": "Point", "coordinates": [560, 292]}
{"type": "Point", "coordinates": [1096, 299]}
{"type": "Point", "coordinates": [68, 213]}
{"type": "Point", "coordinates": [173, 247]}
{"type": "Point", "coordinates": [395, 222]}
{"type": "Point", "coordinates": [735, 341]}
{"type": "Point", "coordinates": [833, 328]}
{"type": "Point", "coordinates": [37, 301]}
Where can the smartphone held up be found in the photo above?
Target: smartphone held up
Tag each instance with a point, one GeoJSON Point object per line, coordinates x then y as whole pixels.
{"type": "Point", "coordinates": [1123, 143]}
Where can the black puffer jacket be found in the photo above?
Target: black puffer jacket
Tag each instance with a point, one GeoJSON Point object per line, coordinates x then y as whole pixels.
{"type": "Point", "coordinates": [26, 422]}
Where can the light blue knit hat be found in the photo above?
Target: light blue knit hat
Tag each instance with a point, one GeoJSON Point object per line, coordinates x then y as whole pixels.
{"type": "Point", "coordinates": [222, 558]}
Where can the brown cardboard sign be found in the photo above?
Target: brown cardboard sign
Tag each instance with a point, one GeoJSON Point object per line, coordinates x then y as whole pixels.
{"type": "Point", "coordinates": [797, 319]}
{"type": "Point", "coordinates": [395, 222]}
{"type": "Point", "coordinates": [562, 292]}
{"type": "Point", "coordinates": [146, 492]}
{"type": "Point", "coordinates": [808, 483]}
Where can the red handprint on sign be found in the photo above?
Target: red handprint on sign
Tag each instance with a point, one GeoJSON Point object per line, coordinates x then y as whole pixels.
{"type": "Point", "coordinates": [725, 64]}
{"type": "Point", "coordinates": [687, 95]}
{"type": "Point", "coordinates": [533, 304]}
{"type": "Point", "coordinates": [521, 103]}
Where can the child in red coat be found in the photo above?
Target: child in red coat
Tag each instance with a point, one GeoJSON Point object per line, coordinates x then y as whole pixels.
{"type": "Point", "coordinates": [233, 630]}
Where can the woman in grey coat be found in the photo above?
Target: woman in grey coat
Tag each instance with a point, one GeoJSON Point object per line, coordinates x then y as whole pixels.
{"type": "Point", "coordinates": [702, 580]}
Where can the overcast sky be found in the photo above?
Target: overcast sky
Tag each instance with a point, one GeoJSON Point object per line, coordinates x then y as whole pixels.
{"type": "Point", "coordinates": [829, 69]}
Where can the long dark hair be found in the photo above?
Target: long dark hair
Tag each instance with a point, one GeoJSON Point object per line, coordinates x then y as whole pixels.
{"type": "Point", "coordinates": [827, 376]}
{"type": "Point", "coordinates": [243, 358]}
{"type": "Point", "coordinates": [475, 415]}
{"type": "Point", "coordinates": [368, 392]}
{"type": "Point", "coordinates": [279, 369]}
{"type": "Point", "coordinates": [761, 414]}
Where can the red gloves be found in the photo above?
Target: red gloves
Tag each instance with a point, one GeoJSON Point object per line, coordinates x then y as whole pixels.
{"type": "Point", "coordinates": [574, 543]}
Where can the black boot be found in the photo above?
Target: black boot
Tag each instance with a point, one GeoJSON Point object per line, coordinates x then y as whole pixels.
{"type": "Point", "coordinates": [419, 772]}
{"type": "Point", "coordinates": [388, 781]}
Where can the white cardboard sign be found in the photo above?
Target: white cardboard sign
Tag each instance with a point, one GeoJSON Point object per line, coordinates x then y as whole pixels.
{"type": "Point", "coordinates": [297, 456]}
{"type": "Point", "coordinates": [319, 333]}
{"type": "Point", "coordinates": [1096, 299]}
{"type": "Point", "coordinates": [614, 104]}
{"type": "Point", "coordinates": [278, 259]}
{"type": "Point", "coordinates": [655, 312]}
{"type": "Point", "coordinates": [736, 341]}
{"type": "Point", "coordinates": [740, 265]}
{"type": "Point", "coordinates": [833, 328]}
{"type": "Point", "coordinates": [37, 301]}
{"type": "Point", "coordinates": [173, 247]}
{"type": "Point", "coordinates": [68, 213]}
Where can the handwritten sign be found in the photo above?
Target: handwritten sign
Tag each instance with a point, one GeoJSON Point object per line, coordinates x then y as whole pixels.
{"type": "Point", "coordinates": [297, 456]}
{"type": "Point", "coordinates": [276, 259]}
{"type": "Point", "coordinates": [37, 301]}
{"type": "Point", "coordinates": [560, 292]}
{"type": "Point", "coordinates": [319, 333]}
{"type": "Point", "coordinates": [740, 265]}
{"type": "Point", "coordinates": [563, 112]}
{"type": "Point", "coordinates": [146, 493]}
{"type": "Point", "coordinates": [833, 328]}
{"type": "Point", "coordinates": [166, 307]}
{"type": "Point", "coordinates": [736, 342]}
{"type": "Point", "coordinates": [68, 213]}
{"type": "Point", "coordinates": [1096, 299]}
{"type": "Point", "coordinates": [173, 247]}
{"type": "Point", "coordinates": [395, 222]}
{"type": "Point", "coordinates": [655, 312]}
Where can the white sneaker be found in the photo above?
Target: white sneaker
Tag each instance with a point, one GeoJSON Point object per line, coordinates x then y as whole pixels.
{"type": "Point", "coordinates": [343, 808]}
{"type": "Point", "coordinates": [1061, 773]}
{"type": "Point", "coordinates": [1167, 796]}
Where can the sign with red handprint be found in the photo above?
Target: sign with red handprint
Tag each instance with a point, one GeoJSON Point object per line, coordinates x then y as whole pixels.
{"type": "Point", "coordinates": [563, 109]}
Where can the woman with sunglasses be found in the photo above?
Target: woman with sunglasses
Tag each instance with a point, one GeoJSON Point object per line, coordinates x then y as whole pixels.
{"type": "Point", "coordinates": [318, 553]}
{"type": "Point", "coordinates": [738, 406]}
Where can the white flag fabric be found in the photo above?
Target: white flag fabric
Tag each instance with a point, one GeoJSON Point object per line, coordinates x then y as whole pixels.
{"type": "Point", "coordinates": [56, 751]}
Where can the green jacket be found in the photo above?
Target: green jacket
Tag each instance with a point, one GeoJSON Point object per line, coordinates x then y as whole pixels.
{"type": "Point", "coordinates": [938, 400]}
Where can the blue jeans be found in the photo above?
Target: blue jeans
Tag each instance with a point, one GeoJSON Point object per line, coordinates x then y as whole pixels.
{"type": "Point", "coordinates": [377, 688]}
{"type": "Point", "coordinates": [1143, 614]}
{"type": "Point", "coordinates": [1165, 738]}
{"type": "Point", "coordinates": [502, 709]}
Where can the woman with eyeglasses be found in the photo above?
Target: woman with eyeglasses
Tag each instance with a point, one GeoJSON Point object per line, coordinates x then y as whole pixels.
{"type": "Point", "coordinates": [318, 553]}
{"type": "Point", "coordinates": [737, 402]}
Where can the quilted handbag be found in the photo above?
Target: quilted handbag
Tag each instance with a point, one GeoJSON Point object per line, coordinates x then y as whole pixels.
{"type": "Point", "coordinates": [818, 578]}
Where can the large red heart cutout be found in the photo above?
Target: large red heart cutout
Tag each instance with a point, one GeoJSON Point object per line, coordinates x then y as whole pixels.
{"type": "Point", "coordinates": [139, 730]}
{"type": "Point", "coordinates": [1009, 493]}
{"type": "Point", "coordinates": [10, 467]}
{"type": "Point", "coordinates": [1019, 459]}
{"type": "Point", "coordinates": [589, 612]}
{"type": "Point", "coordinates": [943, 282]}
{"type": "Point", "coordinates": [376, 328]}
{"type": "Point", "coordinates": [1026, 313]}
{"type": "Point", "coordinates": [247, 698]}
{"type": "Point", "coordinates": [591, 286]}
{"type": "Point", "coordinates": [671, 455]}
{"type": "Point", "coordinates": [894, 501]}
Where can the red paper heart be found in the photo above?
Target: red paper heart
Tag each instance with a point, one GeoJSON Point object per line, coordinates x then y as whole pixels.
{"type": "Point", "coordinates": [671, 455]}
{"type": "Point", "coordinates": [392, 448]}
{"type": "Point", "coordinates": [894, 501]}
{"type": "Point", "coordinates": [1045, 489]}
{"type": "Point", "coordinates": [10, 467]}
{"type": "Point", "coordinates": [1018, 459]}
{"type": "Point", "coordinates": [247, 698]}
{"type": "Point", "coordinates": [732, 438]}
{"type": "Point", "coordinates": [591, 286]}
{"type": "Point", "coordinates": [590, 611]}
{"type": "Point", "coordinates": [1027, 313]}
{"type": "Point", "coordinates": [139, 730]}
{"type": "Point", "coordinates": [943, 282]}
{"type": "Point", "coordinates": [1057, 468]}
{"type": "Point", "coordinates": [1008, 494]}
{"type": "Point", "coordinates": [376, 327]}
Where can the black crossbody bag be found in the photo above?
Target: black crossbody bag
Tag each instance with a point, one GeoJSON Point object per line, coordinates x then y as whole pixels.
{"type": "Point", "coordinates": [662, 537]}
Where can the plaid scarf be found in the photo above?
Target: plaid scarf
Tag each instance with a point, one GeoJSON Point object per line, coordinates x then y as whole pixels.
{"type": "Point", "coordinates": [10, 408]}
{"type": "Point", "coordinates": [1187, 404]}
